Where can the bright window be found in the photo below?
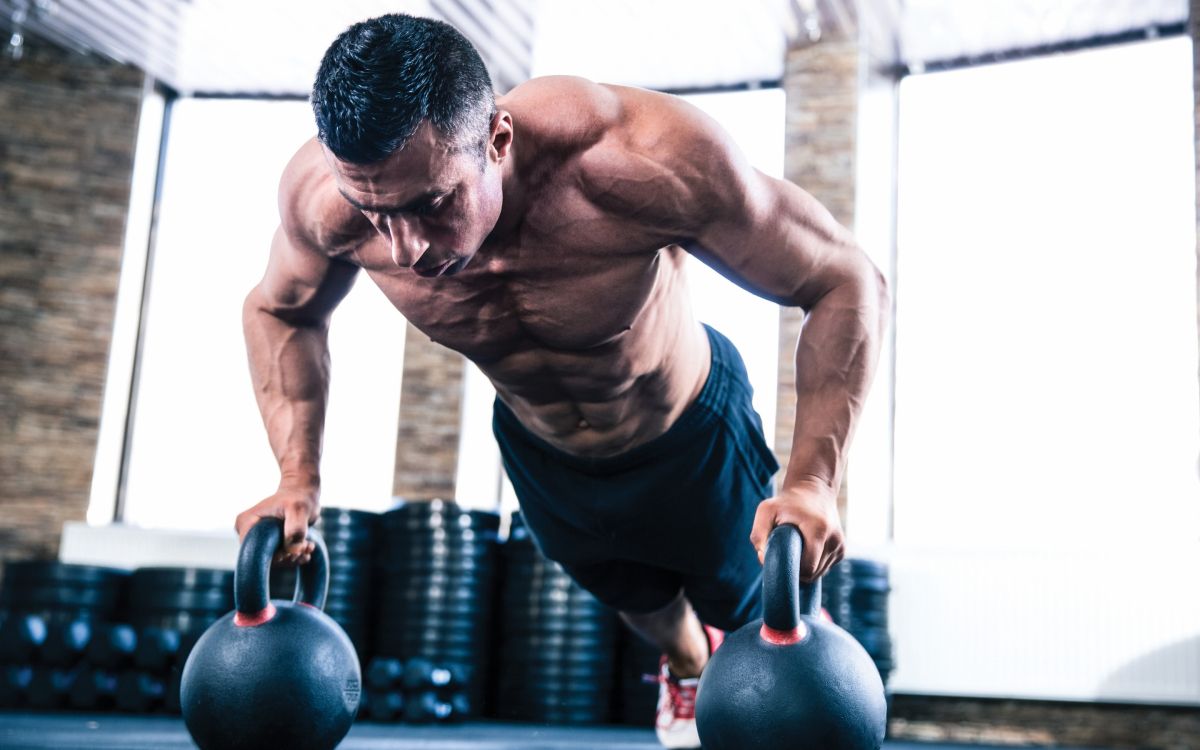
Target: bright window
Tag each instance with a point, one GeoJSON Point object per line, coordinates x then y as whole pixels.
{"type": "Point", "coordinates": [199, 452]}
{"type": "Point", "coordinates": [1046, 304]}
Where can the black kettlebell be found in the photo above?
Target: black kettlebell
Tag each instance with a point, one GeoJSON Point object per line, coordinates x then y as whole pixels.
{"type": "Point", "coordinates": [790, 681]}
{"type": "Point", "coordinates": [272, 674]}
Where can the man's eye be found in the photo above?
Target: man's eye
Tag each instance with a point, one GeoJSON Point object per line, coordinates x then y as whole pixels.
{"type": "Point", "coordinates": [433, 206]}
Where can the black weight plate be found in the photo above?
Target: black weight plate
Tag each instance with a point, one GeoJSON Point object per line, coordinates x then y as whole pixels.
{"type": "Point", "coordinates": [550, 597]}
{"type": "Point", "coordinates": [181, 621]}
{"type": "Point", "coordinates": [565, 672]}
{"type": "Point", "coordinates": [467, 639]}
{"type": "Point", "coordinates": [363, 579]}
{"type": "Point", "coordinates": [352, 575]}
{"type": "Point", "coordinates": [531, 614]}
{"type": "Point", "coordinates": [431, 618]}
{"type": "Point", "coordinates": [406, 651]}
{"type": "Point", "coordinates": [605, 638]}
{"type": "Point", "coordinates": [466, 608]}
{"type": "Point", "coordinates": [334, 517]}
{"type": "Point", "coordinates": [875, 641]}
{"type": "Point", "coordinates": [41, 573]}
{"type": "Point", "coordinates": [537, 703]}
{"type": "Point", "coordinates": [181, 578]}
{"type": "Point", "coordinates": [435, 627]}
{"type": "Point", "coordinates": [559, 692]}
{"type": "Point", "coordinates": [866, 619]}
{"type": "Point", "coordinates": [442, 508]}
{"type": "Point", "coordinates": [349, 553]}
{"type": "Point", "coordinates": [535, 660]}
{"type": "Point", "coordinates": [139, 593]}
{"type": "Point", "coordinates": [361, 604]}
{"type": "Point", "coordinates": [431, 597]}
{"type": "Point", "coordinates": [514, 627]}
{"type": "Point", "coordinates": [408, 581]}
{"type": "Point", "coordinates": [433, 592]}
{"type": "Point", "coordinates": [417, 552]}
{"type": "Point", "coordinates": [872, 585]}
{"type": "Point", "coordinates": [185, 600]}
{"type": "Point", "coordinates": [862, 567]}
{"type": "Point", "coordinates": [386, 571]}
{"type": "Point", "coordinates": [61, 597]}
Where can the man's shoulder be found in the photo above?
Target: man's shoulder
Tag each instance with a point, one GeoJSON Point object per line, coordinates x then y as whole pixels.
{"type": "Point", "coordinates": [311, 211]}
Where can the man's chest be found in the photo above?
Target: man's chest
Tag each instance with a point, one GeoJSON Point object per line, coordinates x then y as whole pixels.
{"type": "Point", "coordinates": [530, 297]}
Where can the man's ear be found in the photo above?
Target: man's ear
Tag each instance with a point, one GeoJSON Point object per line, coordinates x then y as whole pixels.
{"type": "Point", "coordinates": [501, 136]}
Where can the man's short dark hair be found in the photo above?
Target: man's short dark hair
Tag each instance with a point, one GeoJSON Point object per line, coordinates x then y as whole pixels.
{"type": "Point", "coordinates": [382, 77]}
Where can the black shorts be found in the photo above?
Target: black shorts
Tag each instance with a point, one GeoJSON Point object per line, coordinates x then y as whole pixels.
{"type": "Point", "coordinates": [674, 513]}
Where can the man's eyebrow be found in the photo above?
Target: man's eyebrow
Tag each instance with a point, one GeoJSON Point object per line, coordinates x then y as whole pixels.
{"type": "Point", "coordinates": [416, 203]}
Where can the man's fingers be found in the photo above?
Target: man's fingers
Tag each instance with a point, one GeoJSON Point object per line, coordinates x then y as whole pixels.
{"type": "Point", "coordinates": [764, 522]}
{"type": "Point", "coordinates": [295, 532]}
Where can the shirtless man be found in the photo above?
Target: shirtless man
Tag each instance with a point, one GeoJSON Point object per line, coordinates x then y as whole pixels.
{"type": "Point", "coordinates": [543, 235]}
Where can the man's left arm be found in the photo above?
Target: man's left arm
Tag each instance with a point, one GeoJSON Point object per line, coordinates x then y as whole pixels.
{"type": "Point", "coordinates": [774, 239]}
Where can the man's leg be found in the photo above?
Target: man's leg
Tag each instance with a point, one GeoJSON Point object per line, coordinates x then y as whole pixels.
{"type": "Point", "coordinates": [676, 631]}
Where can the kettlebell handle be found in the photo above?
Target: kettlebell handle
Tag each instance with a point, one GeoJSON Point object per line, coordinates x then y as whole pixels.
{"type": "Point", "coordinates": [251, 593]}
{"type": "Point", "coordinates": [785, 596]}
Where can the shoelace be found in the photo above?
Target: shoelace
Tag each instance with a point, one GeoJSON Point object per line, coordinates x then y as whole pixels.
{"type": "Point", "coordinates": [681, 697]}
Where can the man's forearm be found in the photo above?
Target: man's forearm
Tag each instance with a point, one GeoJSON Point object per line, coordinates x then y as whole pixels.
{"type": "Point", "coordinates": [289, 367]}
{"type": "Point", "coordinates": [835, 362]}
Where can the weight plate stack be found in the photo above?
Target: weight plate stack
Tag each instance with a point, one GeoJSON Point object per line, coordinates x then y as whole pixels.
{"type": "Point", "coordinates": [60, 592]}
{"type": "Point", "coordinates": [350, 536]}
{"type": "Point", "coordinates": [436, 564]}
{"type": "Point", "coordinates": [855, 592]}
{"type": "Point", "coordinates": [169, 608]}
{"type": "Point", "coordinates": [557, 641]}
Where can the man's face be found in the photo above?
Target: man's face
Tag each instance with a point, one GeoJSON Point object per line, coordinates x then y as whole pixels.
{"type": "Point", "coordinates": [434, 205]}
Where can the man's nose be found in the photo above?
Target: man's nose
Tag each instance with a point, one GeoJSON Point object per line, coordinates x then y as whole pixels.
{"type": "Point", "coordinates": [408, 242]}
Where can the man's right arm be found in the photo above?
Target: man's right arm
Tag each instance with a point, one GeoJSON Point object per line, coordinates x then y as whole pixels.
{"type": "Point", "coordinates": [286, 323]}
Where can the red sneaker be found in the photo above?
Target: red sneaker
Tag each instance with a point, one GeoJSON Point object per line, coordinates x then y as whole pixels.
{"type": "Point", "coordinates": [676, 721]}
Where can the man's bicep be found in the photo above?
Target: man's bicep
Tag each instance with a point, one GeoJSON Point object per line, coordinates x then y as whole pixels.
{"type": "Point", "coordinates": [302, 285]}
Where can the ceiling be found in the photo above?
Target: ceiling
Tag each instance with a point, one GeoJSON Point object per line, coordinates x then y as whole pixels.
{"type": "Point", "coordinates": [273, 47]}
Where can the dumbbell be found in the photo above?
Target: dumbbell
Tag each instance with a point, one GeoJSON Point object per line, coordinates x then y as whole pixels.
{"type": "Point", "coordinates": [422, 674]}
{"type": "Point", "coordinates": [138, 691]}
{"type": "Point", "coordinates": [386, 705]}
{"type": "Point", "coordinates": [112, 646]}
{"type": "Point", "coordinates": [93, 689]}
{"type": "Point", "coordinates": [385, 673]}
{"type": "Point", "coordinates": [157, 649]}
{"type": "Point", "coordinates": [21, 638]}
{"type": "Point", "coordinates": [14, 685]}
{"type": "Point", "coordinates": [66, 641]}
{"type": "Point", "coordinates": [425, 706]}
{"type": "Point", "coordinates": [48, 687]}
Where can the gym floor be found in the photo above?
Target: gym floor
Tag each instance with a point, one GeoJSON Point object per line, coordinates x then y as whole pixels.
{"type": "Point", "coordinates": [27, 731]}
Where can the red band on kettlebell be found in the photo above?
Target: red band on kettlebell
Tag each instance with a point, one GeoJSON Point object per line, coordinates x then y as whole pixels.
{"type": "Point", "coordinates": [783, 637]}
{"type": "Point", "coordinates": [249, 621]}
{"type": "Point", "coordinates": [306, 604]}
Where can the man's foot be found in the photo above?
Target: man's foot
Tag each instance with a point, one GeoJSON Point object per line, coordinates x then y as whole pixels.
{"type": "Point", "coordinates": [676, 722]}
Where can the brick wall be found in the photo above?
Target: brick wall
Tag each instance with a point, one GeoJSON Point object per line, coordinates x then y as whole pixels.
{"type": "Point", "coordinates": [67, 130]}
{"type": "Point", "coordinates": [430, 419]}
{"type": "Point", "coordinates": [821, 82]}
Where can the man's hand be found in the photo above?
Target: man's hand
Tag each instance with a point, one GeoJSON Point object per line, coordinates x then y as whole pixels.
{"type": "Point", "coordinates": [813, 508]}
{"type": "Point", "coordinates": [299, 509]}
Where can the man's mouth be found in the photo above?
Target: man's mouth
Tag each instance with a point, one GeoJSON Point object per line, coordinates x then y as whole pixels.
{"type": "Point", "coordinates": [437, 270]}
